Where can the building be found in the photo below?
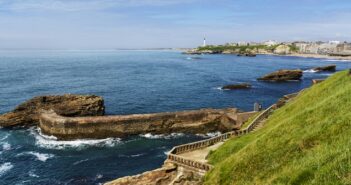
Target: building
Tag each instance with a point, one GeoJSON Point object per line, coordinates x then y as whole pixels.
{"type": "Point", "coordinates": [270, 43]}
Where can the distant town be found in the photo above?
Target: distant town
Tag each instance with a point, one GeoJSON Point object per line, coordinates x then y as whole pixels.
{"type": "Point", "coordinates": [330, 48]}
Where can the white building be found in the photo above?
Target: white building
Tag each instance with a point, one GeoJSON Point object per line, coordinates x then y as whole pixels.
{"type": "Point", "coordinates": [270, 43]}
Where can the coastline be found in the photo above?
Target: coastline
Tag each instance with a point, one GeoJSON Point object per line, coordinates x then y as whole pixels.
{"type": "Point", "coordinates": [348, 58]}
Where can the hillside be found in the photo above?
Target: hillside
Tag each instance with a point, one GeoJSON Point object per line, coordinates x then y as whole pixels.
{"type": "Point", "coordinates": [308, 141]}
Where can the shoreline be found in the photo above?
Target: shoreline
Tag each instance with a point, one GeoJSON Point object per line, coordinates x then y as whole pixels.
{"type": "Point", "coordinates": [318, 56]}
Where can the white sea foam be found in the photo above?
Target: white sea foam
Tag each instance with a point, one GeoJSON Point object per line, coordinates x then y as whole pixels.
{"type": "Point", "coordinates": [161, 136]}
{"type": "Point", "coordinates": [40, 156]}
{"type": "Point", "coordinates": [336, 60]}
{"type": "Point", "coordinates": [5, 167]}
{"type": "Point", "coordinates": [51, 142]}
{"type": "Point", "coordinates": [99, 176]}
{"type": "Point", "coordinates": [210, 134]}
{"type": "Point", "coordinates": [137, 155]}
{"type": "Point", "coordinates": [32, 174]}
{"type": "Point", "coordinates": [81, 161]}
{"type": "Point", "coordinates": [6, 146]}
{"type": "Point", "coordinates": [310, 71]}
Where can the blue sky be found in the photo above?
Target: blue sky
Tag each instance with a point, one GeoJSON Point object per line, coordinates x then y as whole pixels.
{"type": "Point", "coordinates": [108, 24]}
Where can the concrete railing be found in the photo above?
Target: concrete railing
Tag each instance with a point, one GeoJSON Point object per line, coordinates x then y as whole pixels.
{"type": "Point", "coordinates": [173, 155]}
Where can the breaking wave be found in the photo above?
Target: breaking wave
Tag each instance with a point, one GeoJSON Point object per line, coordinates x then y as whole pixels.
{"type": "Point", "coordinates": [161, 136]}
{"type": "Point", "coordinates": [336, 60]}
{"type": "Point", "coordinates": [5, 167]}
{"type": "Point", "coordinates": [310, 71]}
{"type": "Point", "coordinates": [6, 146]}
{"type": "Point", "coordinates": [39, 156]}
{"type": "Point", "coordinates": [51, 142]}
{"type": "Point", "coordinates": [210, 134]}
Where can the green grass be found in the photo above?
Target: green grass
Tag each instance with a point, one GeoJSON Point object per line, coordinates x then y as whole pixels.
{"type": "Point", "coordinates": [307, 141]}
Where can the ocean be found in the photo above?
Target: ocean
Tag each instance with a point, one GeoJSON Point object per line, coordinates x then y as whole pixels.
{"type": "Point", "coordinates": [131, 82]}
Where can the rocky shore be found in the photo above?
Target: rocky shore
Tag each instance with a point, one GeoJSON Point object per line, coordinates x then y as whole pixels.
{"type": "Point", "coordinates": [28, 113]}
{"type": "Point", "coordinates": [252, 51]}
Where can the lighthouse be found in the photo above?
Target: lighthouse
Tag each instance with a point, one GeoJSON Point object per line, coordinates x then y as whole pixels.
{"type": "Point", "coordinates": [204, 44]}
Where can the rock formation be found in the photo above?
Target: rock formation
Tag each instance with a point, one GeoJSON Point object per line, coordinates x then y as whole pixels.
{"type": "Point", "coordinates": [237, 86]}
{"type": "Point", "coordinates": [330, 68]}
{"type": "Point", "coordinates": [27, 113]}
{"type": "Point", "coordinates": [247, 54]}
{"type": "Point", "coordinates": [283, 75]}
{"type": "Point", "coordinates": [168, 174]}
{"type": "Point", "coordinates": [282, 50]}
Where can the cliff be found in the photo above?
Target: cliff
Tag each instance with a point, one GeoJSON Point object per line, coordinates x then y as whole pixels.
{"type": "Point", "coordinates": [197, 121]}
{"type": "Point", "coordinates": [27, 113]}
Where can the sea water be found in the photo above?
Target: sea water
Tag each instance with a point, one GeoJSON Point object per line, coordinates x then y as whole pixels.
{"type": "Point", "coordinates": [131, 82]}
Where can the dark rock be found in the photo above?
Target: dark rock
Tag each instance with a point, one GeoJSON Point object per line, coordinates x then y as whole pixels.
{"type": "Point", "coordinates": [330, 68]}
{"type": "Point", "coordinates": [27, 113]}
{"type": "Point", "coordinates": [282, 75]}
{"type": "Point", "coordinates": [237, 86]}
{"type": "Point", "coordinates": [246, 54]}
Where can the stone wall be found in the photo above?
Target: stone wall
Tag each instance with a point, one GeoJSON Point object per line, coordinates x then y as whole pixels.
{"type": "Point", "coordinates": [197, 121]}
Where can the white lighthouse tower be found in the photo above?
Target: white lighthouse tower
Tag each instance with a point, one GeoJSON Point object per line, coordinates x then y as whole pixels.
{"type": "Point", "coordinates": [204, 44]}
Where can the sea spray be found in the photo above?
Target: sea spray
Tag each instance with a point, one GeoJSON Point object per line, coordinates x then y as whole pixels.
{"type": "Point", "coordinates": [39, 156]}
{"type": "Point", "coordinates": [162, 136]}
{"type": "Point", "coordinates": [51, 142]}
{"type": "Point", "coordinates": [5, 167]}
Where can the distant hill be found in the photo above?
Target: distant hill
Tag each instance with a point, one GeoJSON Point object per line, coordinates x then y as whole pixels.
{"type": "Point", "coordinates": [307, 141]}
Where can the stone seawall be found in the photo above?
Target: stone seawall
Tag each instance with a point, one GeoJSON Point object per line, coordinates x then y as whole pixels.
{"type": "Point", "coordinates": [196, 121]}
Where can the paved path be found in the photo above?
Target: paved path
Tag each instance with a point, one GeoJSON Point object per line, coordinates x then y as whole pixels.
{"type": "Point", "coordinates": [200, 155]}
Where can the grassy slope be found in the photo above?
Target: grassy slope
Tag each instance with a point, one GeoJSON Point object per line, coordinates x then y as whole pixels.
{"type": "Point", "coordinates": [308, 141]}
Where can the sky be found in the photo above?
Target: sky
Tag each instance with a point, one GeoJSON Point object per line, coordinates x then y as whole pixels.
{"type": "Point", "coordinates": [133, 24]}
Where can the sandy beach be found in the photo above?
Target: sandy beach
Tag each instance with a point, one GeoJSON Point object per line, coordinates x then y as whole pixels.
{"type": "Point", "coordinates": [320, 56]}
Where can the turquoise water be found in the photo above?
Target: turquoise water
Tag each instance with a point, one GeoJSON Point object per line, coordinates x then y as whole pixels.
{"type": "Point", "coordinates": [130, 82]}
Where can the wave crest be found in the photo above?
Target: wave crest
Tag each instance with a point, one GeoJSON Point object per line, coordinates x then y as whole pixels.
{"type": "Point", "coordinates": [5, 167]}
{"type": "Point", "coordinates": [162, 136]}
{"type": "Point", "coordinates": [51, 142]}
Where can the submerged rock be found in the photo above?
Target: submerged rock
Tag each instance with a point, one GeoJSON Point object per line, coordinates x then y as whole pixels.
{"type": "Point", "coordinates": [330, 68]}
{"type": "Point", "coordinates": [237, 86]}
{"type": "Point", "coordinates": [27, 113]}
{"type": "Point", "coordinates": [283, 75]}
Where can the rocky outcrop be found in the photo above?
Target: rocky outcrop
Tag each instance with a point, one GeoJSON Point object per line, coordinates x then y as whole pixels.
{"type": "Point", "coordinates": [282, 75]}
{"type": "Point", "coordinates": [237, 86]}
{"type": "Point", "coordinates": [199, 52]}
{"type": "Point", "coordinates": [168, 174]}
{"type": "Point", "coordinates": [330, 68]}
{"type": "Point", "coordinates": [282, 50]}
{"type": "Point", "coordinates": [27, 113]}
{"type": "Point", "coordinates": [196, 121]}
{"type": "Point", "coordinates": [249, 54]}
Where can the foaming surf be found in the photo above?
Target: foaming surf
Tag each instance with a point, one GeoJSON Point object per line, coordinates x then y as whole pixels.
{"type": "Point", "coordinates": [51, 142]}
{"type": "Point", "coordinates": [336, 60]}
{"type": "Point", "coordinates": [39, 156]}
{"type": "Point", "coordinates": [162, 136]}
{"type": "Point", "coordinates": [6, 146]}
{"type": "Point", "coordinates": [209, 135]}
{"type": "Point", "coordinates": [5, 168]}
{"type": "Point", "coordinates": [310, 71]}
